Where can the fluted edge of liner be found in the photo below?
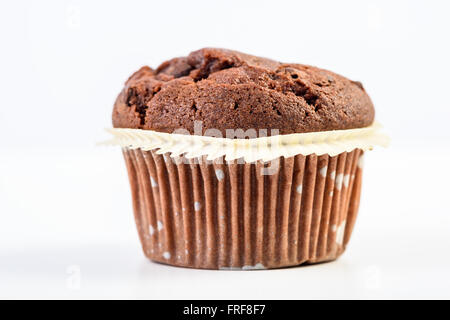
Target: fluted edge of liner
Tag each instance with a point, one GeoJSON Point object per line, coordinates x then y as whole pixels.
{"type": "Point", "coordinates": [263, 148]}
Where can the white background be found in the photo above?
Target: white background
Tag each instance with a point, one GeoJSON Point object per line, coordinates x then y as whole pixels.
{"type": "Point", "coordinates": [66, 228]}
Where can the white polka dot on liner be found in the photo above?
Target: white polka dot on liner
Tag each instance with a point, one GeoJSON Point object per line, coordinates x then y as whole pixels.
{"type": "Point", "coordinates": [361, 162]}
{"type": "Point", "coordinates": [153, 182]}
{"type": "Point", "coordinates": [258, 266]}
{"type": "Point", "coordinates": [166, 255]}
{"type": "Point", "coordinates": [338, 182]}
{"type": "Point", "coordinates": [333, 175]}
{"type": "Point", "coordinates": [299, 188]}
{"type": "Point", "coordinates": [323, 171]}
{"type": "Point", "coordinates": [229, 268]}
{"type": "Point", "coordinates": [219, 174]}
{"type": "Point", "coordinates": [160, 225]}
{"type": "Point", "coordinates": [340, 231]}
{"type": "Point", "coordinates": [197, 206]}
{"type": "Point", "coordinates": [151, 230]}
{"type": "Point", "coordinates": [346, 180]}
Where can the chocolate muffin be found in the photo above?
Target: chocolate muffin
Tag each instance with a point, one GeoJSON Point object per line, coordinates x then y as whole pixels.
{"type": "Point", "coordinates": [231, 202]}
{"type": "Point", "coordinates": [227, 89]}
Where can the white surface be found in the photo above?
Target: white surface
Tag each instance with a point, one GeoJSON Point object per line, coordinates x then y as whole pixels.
{"type": "Point", "coordinates": [66, 228]}
{"type": "Point", "coordinates": [70, 234]}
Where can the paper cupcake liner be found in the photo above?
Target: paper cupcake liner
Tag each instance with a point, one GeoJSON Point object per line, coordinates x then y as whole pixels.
{"type": "Point", "coordinates": [228, 215]}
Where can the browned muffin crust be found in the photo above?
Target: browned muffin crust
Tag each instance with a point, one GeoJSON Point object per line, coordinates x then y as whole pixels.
{"type": "Point", "coordinates": [230, 90]}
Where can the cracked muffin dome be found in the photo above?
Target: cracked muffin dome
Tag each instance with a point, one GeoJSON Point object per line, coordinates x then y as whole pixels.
{"type": "Point", "coordinates": [231, 90]}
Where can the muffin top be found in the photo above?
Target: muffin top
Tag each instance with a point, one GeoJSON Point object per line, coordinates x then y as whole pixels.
{"type": "Point", "coordinates": [227, 89]}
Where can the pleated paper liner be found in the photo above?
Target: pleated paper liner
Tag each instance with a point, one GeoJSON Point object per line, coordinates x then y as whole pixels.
{"type": "Point", "coordinates": [229, 215]}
